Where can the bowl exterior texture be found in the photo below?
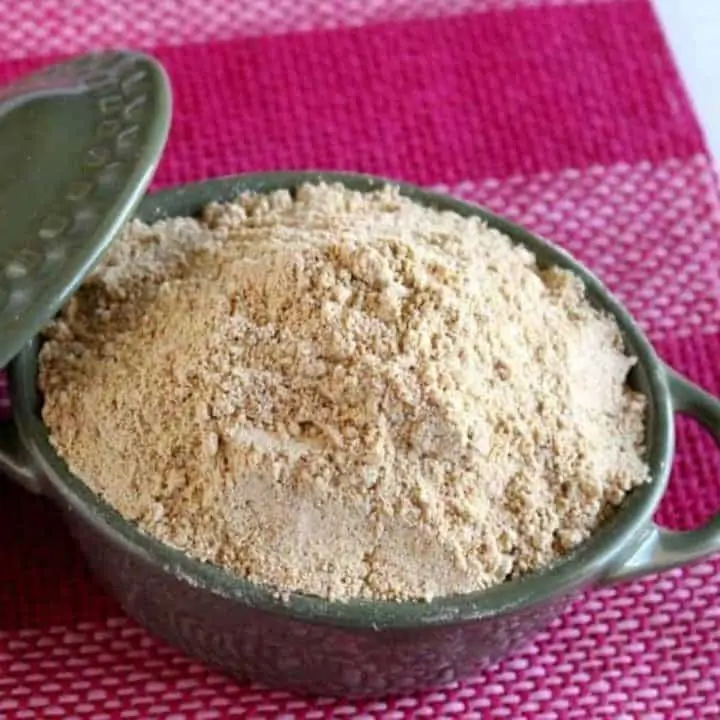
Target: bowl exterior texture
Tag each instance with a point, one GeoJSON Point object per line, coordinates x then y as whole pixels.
{"type": "Point", "coordinates": [277, 650]}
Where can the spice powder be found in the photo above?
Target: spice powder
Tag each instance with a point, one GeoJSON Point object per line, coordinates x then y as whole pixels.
{"type": "Point", "coordinates": [344, 394]}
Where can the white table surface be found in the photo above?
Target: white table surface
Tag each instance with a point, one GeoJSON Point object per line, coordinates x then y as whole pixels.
{"type": "Point", "coordinates": [693, 31]}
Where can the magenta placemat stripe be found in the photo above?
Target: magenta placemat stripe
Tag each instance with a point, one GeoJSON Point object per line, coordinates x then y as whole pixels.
{"type": "Point", "coordinates": [39, 28]}
{"type": "Point", "coordinates": [43, 578]}
{"type": "Point", "coordinates": [485, 95]}
{"type": "Point", "coordinates": [477, 96]}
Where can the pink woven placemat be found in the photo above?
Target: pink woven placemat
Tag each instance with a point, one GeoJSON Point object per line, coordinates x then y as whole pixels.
{"type": "Point", "coordinates": [567, 115]}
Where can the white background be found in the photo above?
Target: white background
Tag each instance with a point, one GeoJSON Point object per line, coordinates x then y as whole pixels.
{"type": "Point", "coordinates": [692, 28]}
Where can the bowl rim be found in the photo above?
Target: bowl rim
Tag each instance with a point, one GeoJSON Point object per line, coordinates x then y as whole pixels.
{"type": "Point", "coordinates": [605, 549]}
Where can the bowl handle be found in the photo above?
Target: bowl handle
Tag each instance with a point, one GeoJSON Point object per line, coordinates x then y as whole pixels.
{"type": "Point", "coordinates": [14, 461]}
{"type": "Point", "coordinates": [661, 549]}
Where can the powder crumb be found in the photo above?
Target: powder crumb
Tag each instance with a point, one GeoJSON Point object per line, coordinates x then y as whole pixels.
{"type": "Point", "coordinates": [344, 394]}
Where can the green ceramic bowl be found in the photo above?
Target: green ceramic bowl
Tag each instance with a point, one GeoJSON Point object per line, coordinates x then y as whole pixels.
{"type": "Point", "coordinates": [358, 648]}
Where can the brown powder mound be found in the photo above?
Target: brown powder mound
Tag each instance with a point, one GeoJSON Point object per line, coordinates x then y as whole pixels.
{"type": "Point", "coordinates": [344, 394]}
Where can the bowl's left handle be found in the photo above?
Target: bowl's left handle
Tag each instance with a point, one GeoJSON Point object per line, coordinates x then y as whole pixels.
{"type": "Point", "coordinates": [14, 461]}
{"type": "Point", "coordinates": [662, 549]}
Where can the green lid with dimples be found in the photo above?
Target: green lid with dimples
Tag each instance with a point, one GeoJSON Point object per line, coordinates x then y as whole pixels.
{"type": "Point", "coordinates": [79, 142]}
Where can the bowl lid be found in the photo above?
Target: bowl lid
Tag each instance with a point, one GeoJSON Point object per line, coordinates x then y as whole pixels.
{"type": "Point", "coordinates": [79, 142]}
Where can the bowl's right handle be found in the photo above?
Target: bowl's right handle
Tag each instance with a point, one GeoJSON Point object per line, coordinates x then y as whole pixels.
{"type": "Point", "coordinates": [14, 461]}
{"type": "Point", "coordinates": [662, 549]}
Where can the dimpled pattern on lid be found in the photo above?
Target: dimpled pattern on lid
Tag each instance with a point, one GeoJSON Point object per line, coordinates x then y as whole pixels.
{"type": "Point", "coordinates": [78, 143]}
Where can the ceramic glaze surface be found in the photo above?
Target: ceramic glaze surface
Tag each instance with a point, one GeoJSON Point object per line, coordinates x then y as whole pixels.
{"type": "Point", "coordinates": [80, 141]}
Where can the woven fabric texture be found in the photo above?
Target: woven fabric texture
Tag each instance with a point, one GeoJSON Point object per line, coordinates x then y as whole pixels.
{"type": "Point", "coordinates": [568, 116]}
